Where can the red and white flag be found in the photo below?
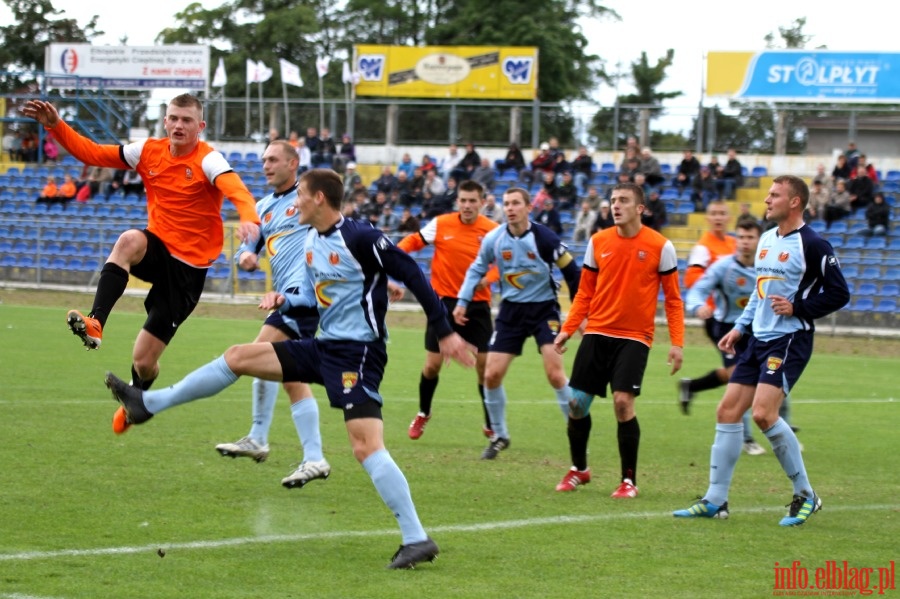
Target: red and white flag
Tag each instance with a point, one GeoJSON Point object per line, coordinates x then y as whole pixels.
{"type": "Point", "coordinates": [290, 73]}
{"type": "Point", "coordinates": [322, 66]}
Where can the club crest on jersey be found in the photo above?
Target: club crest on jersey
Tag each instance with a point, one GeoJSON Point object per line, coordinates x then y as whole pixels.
{"type": "Point", "coordinates": [383, 243]}
{"type": "Point", "coordinates": [334, 259]}
{"type": "Point", "coordinates": [309, 257]}
{"type": "Point", "coordinates": [291, 211]}
{"type": "Point", "coordinates": [506, 254]}
{"type": "Point", "coordinates": [348, 380]}
{"type": "Point", "coordinates": [554, 326]}
{"type": "Point", "coordinates": [763, 253]}
{"type": "Point", "coordinates": [188, 174]}
{"type": "Point", "coordinates": [773, 363]}
{"type": "Point", "coordinates": [783, 257]}
{"type": "Point", "coordinates": [531, 256]}
{"type": "Point", "coordinates": [642, 255]}
{"type": "Point", "coordinates": [267, 217]}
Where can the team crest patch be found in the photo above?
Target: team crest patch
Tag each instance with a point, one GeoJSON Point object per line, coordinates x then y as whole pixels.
{"type": "Point", "coordinates": [188, 174]}
{"type": "Point", "coordinates": [334, 259]}
{"type": "Point", "coordinates": [774, 363]}
{"type": "Point", "coordinates": [267, 217]}
{"type": "Point", "coordinates": [309, 257]}
{"type": "Point", "coordinates": [349, 380]}
{"type": "Point", "coordinates": [506, 254]}
{"type": "Point", "coordinates": [763, 253]}
{"type": "Point", "coordinates": [642, 255]}
{"type": "Point", "coordinates": [531, 256]}
{"type": "Point", "coordinates": [741, 281]}
{"type": "Point", "coordinates": [554, 326]}
{"type": "Point", "coordinates": [291, 211]}
{"type": "Point", "coordinates": [783, 257]}
{"type": "Point", "coordinates": [383, 243]}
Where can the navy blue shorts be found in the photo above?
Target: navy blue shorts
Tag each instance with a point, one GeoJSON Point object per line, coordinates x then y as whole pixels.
{"type": "Point", "coordinates": [779, 362]}
{"type": "Point", "coordinates": [297, 323]}
{"type": "Point", "coordinates": [476, 331]}
{"type": "Point", "coordinates": [517, 322]}
{"type": "Point", "coordinates": [716, 331]}
{"type": "Point", "coordinates": [602, 361]}
{"type": "Point", "coordinates": [350, 371]}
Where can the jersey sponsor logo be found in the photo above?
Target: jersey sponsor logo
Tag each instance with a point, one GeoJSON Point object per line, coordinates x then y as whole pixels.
{"type": "Point", "coordinates": [309, 258]}
{"type": "Point", "coordinates": [349, 380]}
{"type": "Point", "coordinates": [605, 255]}
{"type": "Point", "coordinates": [553, 325]}
{"type": "Point", "coordinates": [506, 254]}
{"type": "Point", "coordinates": [762, 254]}
{"type": "Point", "coordinates": [383, 243]}
{"type": "Point", "coordinates": [783, 256]}
{"type": "Point", "coordinates": [773, 364]}
{"type": "Point", "coordinates": [761, 285]}
{"type": "Point", "coordinates": [188, 174]}
{"type": "Point", "coordinates": [832, 261]}
{"type": "Point", "coordinates": [446, 237]}
{"type": "Point", "coordinates": [322, 298]}
{"type": "Point", "coordinates": [514, 279]}
{"type": "Point", "coordinates": [334, 259]}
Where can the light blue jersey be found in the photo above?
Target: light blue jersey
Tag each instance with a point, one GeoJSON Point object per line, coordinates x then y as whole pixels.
{"type": "Point", "coordinates": [283, 238]}
{"type": "Point", "coordinates": [802, 267]}
{"type": "Point", "coordinates": [348, 268]}
{"type": "Point", "coordinates": [731, 284]}
{"type": "Point", "coordinates": [525, 264]}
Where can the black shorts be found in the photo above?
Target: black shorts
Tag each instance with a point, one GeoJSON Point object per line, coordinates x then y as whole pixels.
{"type": "Point", "coordinates": [300, 322]}
{"type": "Point", "coordinates": [174, 292]}
{"type": "Point", "coordinates": [476, 331]}
{"type": "Point", "coordinates": [517, 322]}
{"type": "Point", "coordinates": [602, 361]}
{"type": "Point", "coordinates": [719, 330]}
{"type": "Point", "coordinates": [350, 371]}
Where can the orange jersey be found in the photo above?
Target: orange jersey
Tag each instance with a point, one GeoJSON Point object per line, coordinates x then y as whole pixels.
{"type": "Point", "coordinates": [67, 190]}
{"type": "Point", "coordinates": [50, 190]}
{"type": "Point", "coordinates": [184, 193]}
{"type": "Point", "coordinates": [456, 246]}
{"type": "Point", "coordinates": [709, 248]}
{"type": "Point", "coordinates": [620, 281]}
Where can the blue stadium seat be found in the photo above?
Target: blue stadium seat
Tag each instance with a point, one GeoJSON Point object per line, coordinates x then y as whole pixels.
{"type": "Point", "coordinates": [877, 243]}
{"type": "Point", "coordinates": [855, 243]}
{"type": "Point", "coordinates": [863, 304]}
{"type": "Point", "coordinates": [887, 306]}
{"type": "Point", "coordinates": [818, 226]}
{"type": "Point", "coordinates": [867, 289]}
{"type": "Point", "coordinates": [759, 171]}
{"type": "Point", "coordinates": [838, 227]}
{"type": "Point", "coordinates": [894, 244]}
{"type": "Point", "coordinates": [890, 290]}
{"type": "Point", "coordinates": [891, 274]}
{"type": "Point", "coordinates": [851, 272]}
{"type": "Point", "coordinates": [608, 167]}
{"type": "Point", "coordinates": [870, 273]}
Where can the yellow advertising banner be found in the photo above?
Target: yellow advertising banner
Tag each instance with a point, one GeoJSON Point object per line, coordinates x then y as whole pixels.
{"type": "Point", "coordinates": [479, 72]}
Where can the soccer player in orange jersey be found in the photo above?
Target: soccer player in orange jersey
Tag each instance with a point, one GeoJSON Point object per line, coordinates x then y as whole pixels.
{"type": "Point", "coordinates": [456, 238]}
{"type": "Point", "coordinates": [185, 180]}
{"type": "Point", "coordinates": [620, 278]}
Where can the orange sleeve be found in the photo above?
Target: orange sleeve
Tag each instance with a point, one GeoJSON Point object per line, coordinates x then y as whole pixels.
{"type": "Point", "coordinates": [87, 151]}
{"type": "Point", "coordinates": [237, 193]}
{"type": "Point", "coordinates": [493, 274]}
{"type": "Point", "coordinates": [692, 274]}
{"type": "Point", "coordinates": [582, 302]}
{"type": "Point", "coordinates": [411, 243]}
{"type": "Point", "coordinates": [674, 307]}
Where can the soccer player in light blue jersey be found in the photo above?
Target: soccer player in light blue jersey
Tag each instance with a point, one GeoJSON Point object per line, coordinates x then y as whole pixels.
{"type": "Point", "coordinates": [525, 253]}
{"type": "Point", "coordinates": [348, 265]}
{"type": "Point", "coordinates": [798, 279]}
{"type": "Point", "coordinates": [293, 315]}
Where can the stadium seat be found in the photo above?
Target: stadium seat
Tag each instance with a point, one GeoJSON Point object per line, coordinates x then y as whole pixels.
{"type": "Point", "coordinates": [840, 227]}
{"type": "Point", "coordinates": [870, 273]}
{"type": "Point", "coordinates": [887, 306]}
{"type": "Point", "coordinates": [877, 243]}
{"type": "Point", "coordinates": [855, 243]}
{"type": "Point", "coordinates": [863, 304]}
{"type": "Point", "coordinates": [818, 226]}
{"type": "Point", "coordinates": [894, 244]}
{"type": "Point", "coordinates": [851, 272]}
{"type": "Point", "coordinates": [890, 290]}
{"type": "Point", "coordinates": [608, 167]}
{"type": "Point", "coordinates": [891, 274]}
{"type": "Point", "coordinates": [759, 171]}
{"type": "Point", "coordinates": [867, 289]}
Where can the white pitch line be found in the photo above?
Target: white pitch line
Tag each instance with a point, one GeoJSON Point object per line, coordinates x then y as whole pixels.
{"type": "Point", "coordinates": [449, 528]}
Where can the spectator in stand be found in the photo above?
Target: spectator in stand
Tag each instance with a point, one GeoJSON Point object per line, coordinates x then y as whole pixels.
{"type": "Point", "coordinates": [51, 150]}
{"type": "Point", "coordinates": [434, 185]}
{"type": "Point", "coordinates": [878, 216]}
{"type": "Point", "coordinates": [351, 179]}
{"type": "Point", "coordinates": [819, 198]}
{"type": "Point", "coordinates": [408, 222]}
{"type": "Point", "coordinates": [687, 170]}
{"type": "Point", "coordinates": [357, 204]}
{"type": "Point", "coordinates": [386, 182]}
{"type": "Point", "coordinates": [649, 165]}
{"type": "Point", "coordinates": [50, 192]}
{"type": "Point", "coordinates": [566, 192]}
{"type": "Point", "coordinates": [493, 209]}
{"type": "Point", "coordinates": [448, 198]}
{"type": "Point", "coordinates": [654, 214]}
{"type": "Point", "coordinates": [29, 149]}
{"type": "Point", "coordinates": [541, 164]}
{"type": "Point", "coordinates": [388, 222]}
{"type": "Point", "coordinates": [704, 190]}
{"type": "Point", "coordinates": [416, 185]}
{"type": "Point", "coordinates": [273, 135]}
{"type": "Point", "coordinates": [513, 160]}
{"type": "Point", "coordinates": [132, 182]}
{"type": "Point", "coordinates": [852, 154]}
{"type": "Point", "coordinates": [582, 169]}
{"type": "Point", "coordinates": [549, 216]}
{"type": "Point", "coordinates": [450, 161]}
{"type": "Point", "coordinates": [821, 176]}
{"type": "Point", "coordinates": [15, 153]}
{"type": "Point", "coordinates": [863, 164]}
{"type": "Point", "coordinates": [593, 196]}
{"type": "Point", "coordinates": [402, 191]}
{"type": "Point", "coordinates": [626, 166]}
{"type": "Point", "coordinates": [9, 144]}
{"type": "Point", "coordinates": [714, 165]}
{"type": "Point", "coordinates": [548, 180]}
{"type": "Point", "coordinates": [427, 164]}
{"type": "Point", "coordinates": [67, 190]}
{"type": "Point", "coordinates": [467, 165]}
{"type": "Point", "coordinates": [561, 165]}
{"type": "Point", "coordinates": [346, 152]}
{"type": "Point", "coordinates": [841, 170]}
{"type": "Point", "coordinates": [441, 203]}
{"type": "Point", "coordinates": [731, 176]}
{"type": "Point", "coordinates": [838, 205]}
{"type": "Point", "coordinates": [604, 218]}
{"type": "Point", "coordinates": [325, 150]}
{"type": "Point", "coordinates": [371, 211]}
{"type": "Point", "coordinates": [584, 222]}
{"type": "Point", "coordinates": [304, 156]}
{"type": "Point", "coordinates": [97, 178]}
{"type": "Point", "coordinates": [293, 139]}
{"type": "Point", "coordinates": [115, 184]}
{"type": "Point", "coordinates": [861, 189]}
{"type": "Point", "coordinates": [623, 177]}
{"type": "Point", "coordinates": [484, 174]}
{"type": "Point", "coordinates": [640, 179]}
{"type": "Point", "coordinates": [406, 165]}
{"type": "Point", "coordinates": [312, 140]}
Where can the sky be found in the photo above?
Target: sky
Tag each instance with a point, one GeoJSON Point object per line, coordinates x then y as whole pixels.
{"type": "Point", "coordinates": [691, 28]}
